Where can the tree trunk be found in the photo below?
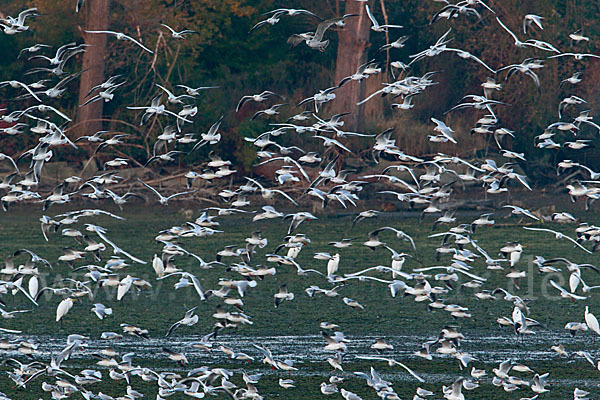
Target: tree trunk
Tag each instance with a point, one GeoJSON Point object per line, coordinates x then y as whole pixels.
{"type": "Point", "coordinates": [351, 53]}
{"type": "Point", "coordinates": [88, 117]}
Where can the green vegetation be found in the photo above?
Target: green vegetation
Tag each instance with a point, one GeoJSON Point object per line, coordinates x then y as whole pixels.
{"type": "Point", "coordinates": [384, 316]}
{"type": "Point", "coordinates": [302, 315]}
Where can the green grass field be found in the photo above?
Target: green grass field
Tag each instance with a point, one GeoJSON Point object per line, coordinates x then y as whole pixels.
{"type": "Point", "coordinates": [383, 316]}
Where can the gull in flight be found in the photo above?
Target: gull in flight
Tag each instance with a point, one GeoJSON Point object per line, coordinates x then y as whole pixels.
{"type": "Point", "coordinates": [576, 56]}
{"type": "Point", "coordinates": [268, 111]}
{"type": "Point", "coordinates": [259, 98]}
{"type": "Point", "coordinates": [155, 108]}
{"type": "Point", "coordinates": [518, 43]}
{"type": "Point", "coordinates": [573, 79]}
{"type": "Point", "coordinates": [178, 35]}
{"type": "Point", "coordinates": [565, 294]}
{"type": "Point", "coordinates": [272, 20]}
{"type": "Point", "coordinates": [568, 101]}
{"type": "Point", "coordinates": [292, 12]}
{"type": "Point", "coordinates": [164, 157]}
{"type": "Point", "coordinates": [101, 310]}
{"type": "Point", "coordinates": [530, 20]}
{"type": "Point", "coordinates": [397, 44]}
{"type": "Point", "coordinates": [9, 158]}
{"type": "Point", "coordinates": [116, 249]}
{"type": "Point", "coordinates": [445, 130]}
{"type": "Point", "coordinates": [211, 137]}
{"type": "Point", "coordinates": [282, 295]}
{"type": "Point", "coordinates": [315, 40]}
{"type": "Point", "coordinates": [339, 133]}
{"type": "Point", "coordinates": [466, 55]}
{"type": "Point", "coordinates": [162, 199]}
{"type": "Point", "coordinates": [558, 235]}
{"type": "Point", "coordinates": [188, 320]}
{"type": "Point", "coordinates": [33, 49]}
{"type": "Point", "coordinates": [122, 36]}
{"type": "Point", "coordinates": [400, 235]}
{"type": "Point", "coordinates": [268, 356]}
{"type": "Point", "coordinates": [577, 37]}
{"type": "Point", "coordinates": [516, 210]}
{"type": "Point", "coordinates": [17, 25]}
{"type": "Point", "coordinates": [45, 108]}
{"type": "Point", "coordinates": [171, 97]}
{"type": "Point", "coordinates": [329, 142]}
{"type": "Point", "coordinates": [275, 16]}
{"type": "Point", "coordinates": [196, 91]}
{"type": "Point", "coordinates": [455, 391]}
{"type": "Point", "coordinates": [288, 160]}
{"type": "Point", "coordinates": [437, 49]}
{"type": "Point", "coordinates": [16, 84]}
{"type": "Point", "coordinates": [454, 10]}
{"type": "Point", "coordinates": [63, 53]}
{"type": "Point", "coordinates": [270, 193]}
{"type": "Point", "coordinates": [391, 362]}
{"type": "Point", "coordinates": [184, 281]}
{"type": "Point", "coordinates": [539, 383]}
{"type": "Point", "coordinates": [376, 27]}
{"type": "Point", "coordinates": [106, 95]}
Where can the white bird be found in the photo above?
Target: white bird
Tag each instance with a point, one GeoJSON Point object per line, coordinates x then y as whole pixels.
{"type": "Point", "coordinates": [376, 27]}
{"type": "Point", "coordinates": [270, 193]}
{"type": "Point", "coordinates": [539, 383]}
{"type": "Point", "coordinates": [333, 264]}
{"type": "Point", "coordinates": [332, 143]}
{"type": "Point", "coordinates": [116, 249]}
{"type": "Point", "coordinates": [180, 34]}
{"type": "Point", "coordinates": [196, 91]}
{"type": "Point", "coordinates": [210, 137]}
{"type": "Point", "coordinates": [445, 130]}
{"type": "Point", "coordinates": [162, 199]}
{"type": "Point", "coordinates": [122, 36]}
{"type": "Point", "coordinates": [171, 98]}
{"type": "Point", "coordinates": [101, 310]}
{"type": "Point", "coordinates": [591, 321]}
{"type": "Point", "coordinates": [531, 19]}
{"type": "Point", "coordinates": [268, 356]}
{"type": "Point", "coordinates": [194, 282]}
{"type": "Point", "coordinates": [576, 56]}
{"type": "Point", "coordinates": [16, 84]}
{"type": "Point", "coordinates": [286, 383]}
{"type": "Point", "coordinates": [188, 320]}
{"type": "Point", "coordinates": [283, 294]}
{"type": "Point", "coordinates": [63, 308]}
{"type": "Point", "coordinates": [391, 362]}
{"type": "Point", "coordinates": [347, 395]}
{"type": "Point", "coordinates": [124, 286]}
{"type": "Point", "coordinates": [455, 391]}
{"type": "Point", "coordinates": [155, 108]}
{"type": "Point", "coordinates": [259, 98]}
{"type": "Point", "coordinates": [566, 294]}
{"type": "Point", "coordinates": [287, 160]}
{"type": "Point", "coordinates": [516, 210]}
{"type": "Point", "coordinates": [573, 79]}
{"type": "Point", "coordinates": [517, 43]}
{"type": "Point", "coordinates": [9, 158]}
{"type": "Point", "coordinates": [558, 235]}
{"type": "Point", "coordinates": [466, 55]}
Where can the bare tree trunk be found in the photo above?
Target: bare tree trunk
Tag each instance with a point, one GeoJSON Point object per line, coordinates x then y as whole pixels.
{"type": "Point", "coordinates": [351, 53]}
{"type": "Point", "coordinates": [93, 65]}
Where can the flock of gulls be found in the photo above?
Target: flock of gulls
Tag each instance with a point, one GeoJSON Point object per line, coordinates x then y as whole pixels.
{"type": "Point", "coordinates": [302, 179]}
